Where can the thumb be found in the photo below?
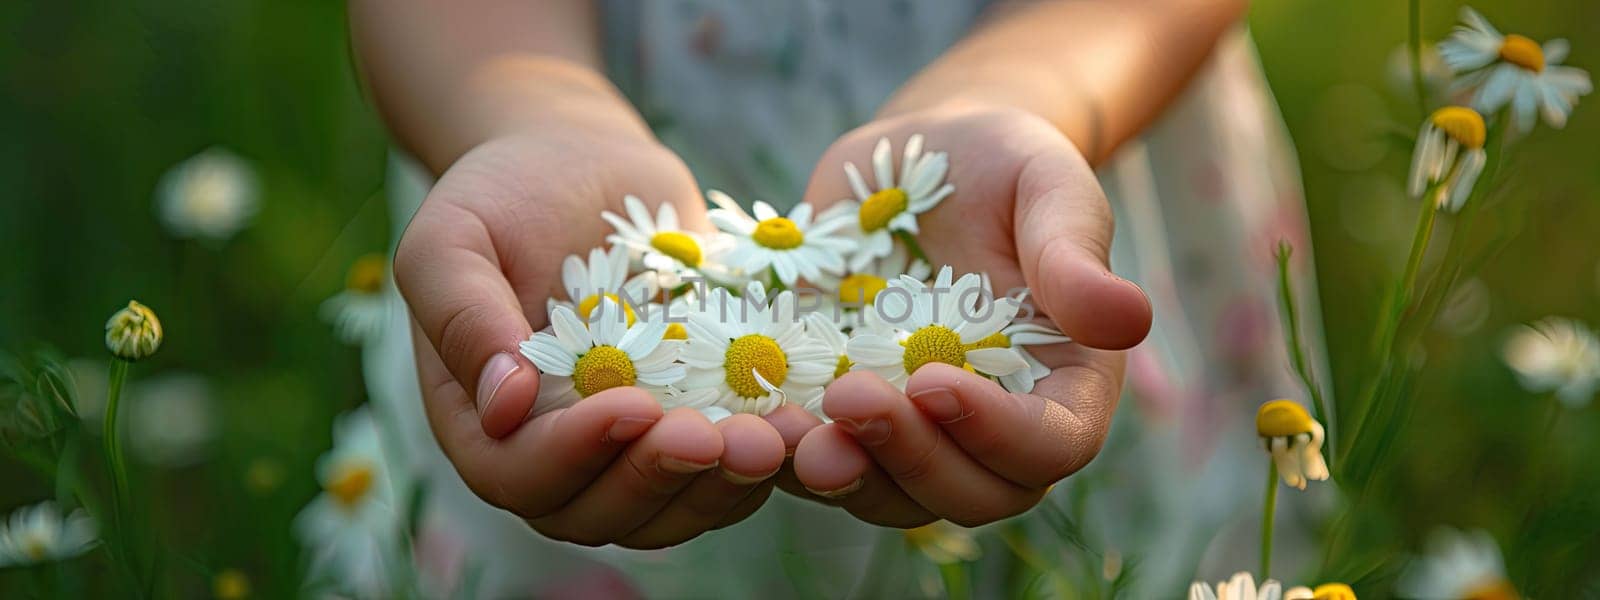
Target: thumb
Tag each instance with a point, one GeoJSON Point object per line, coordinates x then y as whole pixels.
{"type": "Point", "coordinates": [1064, 228]}
{"type": "Point", "coordinates": [464, 304]}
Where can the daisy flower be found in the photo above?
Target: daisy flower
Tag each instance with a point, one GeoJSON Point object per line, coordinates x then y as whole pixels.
{"type": "Point", "coordinates": [856, 289]}
{"type": "Point", "coordinates": [350, 526]}
{"type": "Point", "coordinates": [359, 313]}
{"type": "Point", "coordinates": [578, 361]}
{"type": "Point", "coordinates": [1458, 565]}
{"type": "Point", "coordinates": [1242, 586]}
{"type": "Point", "coordinates": [39, 533]}
{"type": "Point", "coordinates": [752, 354]}
{"type": "Point", "coordinates": [1449, 155]}
{"type": "Point", "coordinates": [1513, 69]}
{"type": "Point", "coordinates": [1015, 336]}
{"type": "Point", "coordinates": [605, 275]}
{"type": "Point", "coordinates": [1556, 354]}
{"type": "Point", "coordinates": [1326, 591]}
{"type": "Point", "coordinates": [211, 195]}
{"type": "Point", "coordinates": [793, 246]}
{"type": "Point", "coordinates": [826, 331]}
{"type": "Point", "coordinates": [889, 208]}
{"type": "Point", "coordinates": [1294, 440]}
{"type": "Point", "coordinates": [912, 324]}
{"type": "Point", "coordinates": [662, 245]}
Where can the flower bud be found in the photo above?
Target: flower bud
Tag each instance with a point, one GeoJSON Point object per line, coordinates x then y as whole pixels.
{"type": "Point", "coordinates": [133, 332]}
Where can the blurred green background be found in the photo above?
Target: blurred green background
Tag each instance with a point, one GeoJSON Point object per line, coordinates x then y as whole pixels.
{"type": "Point", "coordinates": [100, 98]}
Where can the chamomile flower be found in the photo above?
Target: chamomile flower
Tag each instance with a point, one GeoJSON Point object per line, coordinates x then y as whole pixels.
{"type": "Point", "coordinates": [792, 246]}
{"type": "Point", "coordinates": [1513, 69]}
{"type": "Point", "coordinates": [1450, 155]}
{"type": "Point", "coordinates": [39, 533]}
{"type": "Point", "coordinates": [353, 522]}
{"type": "Point", "coordinates": [1242, 586]}
{"type": "Point", "coordinates": [752, 354]}
{"type": "Point", "coordinates": [826, 332]}
{"type": "Point", "coordinates": [892, 207]}
{"type": "Point", "coordinates": [943, 542]}
{"type": "Point", "coordinates": [913, 324]}
{"type": "Point", "coordinates": [1458, 565]}
{"type": "Point", "coordinates": [211, 195]}
{"type": "Point", "coordinates": [1294, 440]}
{"type": "Point", "coordinates": [360, 311]}
{"type": "Point", "coordinates": [663, 246]}
{"type": "Point", "coordinates": [605, 275]}
{"type": "Point", "coordinates": [133, 332]}
{"type": "Point", "coordinates": [1015, 336]}
{"type": "Point", "coordinates": [1559, 355]}
{"type": "Point", "coordinates": [1326, 591]}
{"type": "Point", "coordinates": [578, 361]}
{"type": "Point", "coordinates": [858, 288]}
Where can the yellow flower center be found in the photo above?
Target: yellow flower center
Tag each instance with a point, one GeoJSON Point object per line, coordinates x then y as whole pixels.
{"type": "Point", "coordinates": [934, 343]}
{"type": "Point", "coordinates": [230, 584]}
{"type": "Point", "coordinates": [675, 331]}
{"type": "Point", "coordinates": [587, 306]}
{"type": "Point", "coordinates": [995, 340]}
{"type": "Point", "coordinates": [860, 289]}
{"type": "Point", "coordinates": [881, 207]}
{"type": "Point", "coordinates": [350, 483]}
{"type": "Point", "coordinates": [1282, 418]}
{"type": "Point", "coordinates": [366, 275]}
{"type": "Point", "coordinates": [677, 245]}
{"type": "Point", "coordinates": [778, 233]}
{"type": "Point", "coordinates": [754, 352]}
{"type": "Point", "coordinates": [1522, 52]}
{"type": "Point", "coordinates": [1333, 591]}
{"type": "Point", "coordinates": [1462, 124]}
{"type": "Point", "coordinates": [1498, 589]}
{"type": "Point", "coordinates": [842, 367]}
{"type": "Point", "coordinates": [602, 368]}
{"type": "Point", "coordinates": [35, 547]}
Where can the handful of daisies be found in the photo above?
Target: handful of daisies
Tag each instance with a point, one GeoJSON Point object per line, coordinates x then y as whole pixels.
{"type": "Point", "coordinates": [773, 308]}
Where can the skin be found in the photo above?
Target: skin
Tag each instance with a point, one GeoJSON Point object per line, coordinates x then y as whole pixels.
{"type": "Point", "coordinates": [507, 104]}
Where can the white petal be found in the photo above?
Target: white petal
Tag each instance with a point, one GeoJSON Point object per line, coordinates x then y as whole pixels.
{"type": "Point", "coordinates": [874, 350]}
{"type": "Point", "coordinates": [606, 323]}
{"type": "Point", "coordinates": [574, 276]}
{"type": "Point", "coordinates": [764, 211]}
{"type": "Point", "coordinates": [882, 164]}
{"type": "Point", "coordinates": [857, 185]}
{"type": "Point", "coordinates": [572, 333]}
{"type": "Point", "coordinates": [637, 212]}
{"type": "Point", "coordinates": [548, 354]}
{"type": "Point", "coordinates": [997, 361]}
{"type": "Point", "coordinates": [642, 339]}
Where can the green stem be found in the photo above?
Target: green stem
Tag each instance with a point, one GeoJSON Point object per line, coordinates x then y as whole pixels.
{"type": "Point", "coordinates": [1297, 355]}
{"type": "Point", "coordinates": [1415, 47]}
{"type": "Point", "coordinates": [1269, 506]}
{"type": "Point", "coordinates": [121, 495]}
{"type": "Point", "coordinates": [955, 580]}
{"type": "Point", "coordinates": [913, 246]}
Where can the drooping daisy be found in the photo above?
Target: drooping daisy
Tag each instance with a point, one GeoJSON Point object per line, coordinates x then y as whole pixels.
{"type": "Point", "coordinates": [359, 313]}
{"type": "Point", "coordinates": [1513, 69]}
{"type": "Point", "coordinates": [890, 207]}
{"type": "Point", "coordinates": [751, 354]}
{"type": "Point", "coordinates": [1449, 153]}
{"type": "Point", "coordinates": [665, 247]}
{"type": "Point", "coordinates": [39, 533]}
{"type": "Point", "coordinates": [578, 361]}
{"type": "Point", "coordinates": [943, 542]}
{"type": "Point", "coordinates": [1294, 440]}
{"type": "Point", "coordinates": [1559, 355]}
{"type": "Point", "coordinates": [1242, 586]}
{"type": "Point", "coordinates": [858, 288]}
{"type": "Point", "coordinates": [605, 275]}
{"type": "Point", "coordinates": [792, 246]}
{"type": "Point", "coordinates": [1326, 591]}
{"type": "Point", "coordinates": [211, 195]}
{"type": "Point", "coordinates": [912, 324]}
{"type": "Point", "coordinates": [353, 523]}
{"type": "Point", "coordinates": [1458, 565]}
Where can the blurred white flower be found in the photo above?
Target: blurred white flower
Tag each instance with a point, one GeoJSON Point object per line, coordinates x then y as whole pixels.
{"type": "Point", "coordinates": [1242, 586]}
{"type": "Point", "coordinates": [350, 527]}
{"type": "Point", "coordinates": [171, 419]}
{"type": "Point", "coordinates": [1457, 565]}
{"type": "Point", "coordinates": [38, 533]}
{"type": "Point", "coordinates": [359, 312]}
{"type": "Point", "coordinates": [211, 195]}
{"type": "Point", "coordinates": [1435, 73]}
{"type": "Point", "coordinates": [944, 542]}
{"type": "Point", "coordinates": [1501, 69]}
{"type": "Point", "coordinates": [1294, 440]}
{"type": "Point", "coordinates": [1449, 153]}
{"type": "Point", "coordinates": [1556, 354]}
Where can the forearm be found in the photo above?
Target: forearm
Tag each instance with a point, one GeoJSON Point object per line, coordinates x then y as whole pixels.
{"type": "Point", "coordinates": [448, 76]}
{"type": "Point", "coordinates": [1100, 70]}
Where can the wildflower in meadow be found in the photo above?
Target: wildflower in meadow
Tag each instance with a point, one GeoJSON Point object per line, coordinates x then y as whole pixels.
{"type": "Point", "coordinates": [605, 275]}
{"type": "Point", "coordinates": [752, 354]}
{"type": "Point", "coordinates": [1242, 586]}
{"type": "Point", "coordinates": [1294, 440]}
{"type": "Point", "coordinates": [348, 528]}
{"type": "Point", "coordinates": [39, 533]}
{"type": "Point", "coordinates": [1458, 565]}
{"type": "Point", "coordinates": [1502, 69]}
{"type": "Point", "coordinates": [359, 313]}
{"type": "Point", "coordinates": [943, 542]}
{"type": "Point", "coordinates": [1556, 355]}
{"type": "Point", "coordinates": [913, 324]}
{"type": "Point", "coordinates": [1449, 155]}
{"type": "Point", "coordinates": [662, 245]}
{"type": "Point", "coordinates": [793, 246]}
{"type": "Point", "coordinates": [578, 360]}
{"type": "Point", "coordinates": [210, 195]}
{"type": "Point", "coordinates": [889, 208]}
{"type": "Point", "coordinates": [133, 332]}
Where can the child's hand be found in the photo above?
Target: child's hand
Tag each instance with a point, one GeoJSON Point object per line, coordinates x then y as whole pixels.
{"type": "Point", "coordinates": [476, 266]}
{"type": "Point", "coordinates": [1028, 211]}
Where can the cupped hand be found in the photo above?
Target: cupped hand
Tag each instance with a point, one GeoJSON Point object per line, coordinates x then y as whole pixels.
{"type": "Point", "coordinates": [476, 266]}
{"type": "Point", "coordinates": [1028, 211]}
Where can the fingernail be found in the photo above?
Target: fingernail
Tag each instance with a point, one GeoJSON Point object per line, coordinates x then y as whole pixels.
{"type": "Point", "coordinates": [940, 404]}
{"type": "Point", "coordinates": [495, 372]}
{"type": "Point", "coordinates": [627, 429]}
{"type": "Point", "coordinates": [738, 479]}
{"type": "Point", "coordinates": [680, 466]}
{"type": "Point", "coordinates": [841, 492]}
{"type": "Point", "coordinates": [871, 432]}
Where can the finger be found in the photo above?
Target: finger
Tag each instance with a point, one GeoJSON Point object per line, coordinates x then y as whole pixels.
{"type": "Point", "coordinates": [749, 505]}
{"type": "Point", "coordinates": [1029, 439]}
{"type": "Point", "coordinates": [792, 422]}
{"type": "Point", "coordinates": [542, 466]}
{"type": "Point", "coordinates": [917, 454]}
{"type": "Point", "coordinates": [650, 473]}
{"type": "Point", "coordinates": [752, 451]}
{"type": "Point", "coordinates": [1063, 229]}
{"type": "Point", "coordinates": [449, 272]}
{"type": "Point", "coordinates": [832, 468]}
